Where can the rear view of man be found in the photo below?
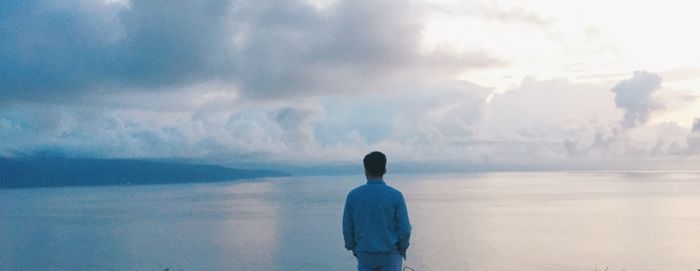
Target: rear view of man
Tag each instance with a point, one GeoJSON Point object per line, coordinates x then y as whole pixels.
{"type": "Point", "coordinates": [375, 220]}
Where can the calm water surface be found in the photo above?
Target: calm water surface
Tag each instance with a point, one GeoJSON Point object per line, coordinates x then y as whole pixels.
{"type": "Point", "coordinates": [497, 221]}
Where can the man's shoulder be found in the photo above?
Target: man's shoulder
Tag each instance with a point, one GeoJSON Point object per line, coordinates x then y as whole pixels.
{"type": "Point", "coordinates": [398, 196]}
{"type": "Point", "coordinates": [358, 189]}
{"type": "Point", "coordinates": [391, 189]}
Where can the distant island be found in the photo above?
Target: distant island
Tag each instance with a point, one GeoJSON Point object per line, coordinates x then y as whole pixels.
{"type": "Point", "coordinates": [57, 172]}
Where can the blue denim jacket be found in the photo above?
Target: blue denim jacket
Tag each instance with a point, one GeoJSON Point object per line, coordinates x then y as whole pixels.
{"type": "Point", "coordinates": [375, 219]}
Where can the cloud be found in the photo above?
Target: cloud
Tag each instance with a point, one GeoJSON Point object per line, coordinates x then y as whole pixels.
{"type": "Point", "coordinates": [693, 140]}
{"type": "Point", "coordinates": [635, 97]}
{"type": "Point", "coordinates": [443, 114]}
{"type": "Point", "coordinates": [64, 50]}
{"type": "Point", "coordinates": [681, 74]}
{"type": "Point", "coordinates": [494, 11]}
{"type": "Point", "coordinates": [541, 123]}
{"type": "Point", "coordinates": [298, 126]}
{"type": "Point", "coordinates": [218, 78]}
{"type": "Point", "coordinates": [296, 81]}
{"type": "Point", "coordinates": [560, 121]}
{"type": "Point", "coordinates": [670, 139]}
{"type": "Point", "coordinates": [134, 133]}
{"type": "Point", "coordinates": [547, 110]}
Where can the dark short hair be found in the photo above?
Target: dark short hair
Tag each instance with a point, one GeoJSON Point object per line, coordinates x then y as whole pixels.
{"type": "Point", "coordinates": [375, 163]}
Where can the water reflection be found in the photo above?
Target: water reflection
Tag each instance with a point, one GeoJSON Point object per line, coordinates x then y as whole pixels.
{"type": "Point", "coordinates": [556, 221]}
{"type": "Point", "coordinates": [310, 223]}
{"type": "Point", "coordinates": [248, 237]}
{"type": "Point", "coordinates": [499, 221]}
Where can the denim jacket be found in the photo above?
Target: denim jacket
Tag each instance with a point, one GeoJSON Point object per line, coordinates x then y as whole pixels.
{"type": "Point", "coordinates": [375, 219]}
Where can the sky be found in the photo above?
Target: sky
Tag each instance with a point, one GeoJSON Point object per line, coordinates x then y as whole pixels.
{"type": "Point", "coordinates": [451, 84]}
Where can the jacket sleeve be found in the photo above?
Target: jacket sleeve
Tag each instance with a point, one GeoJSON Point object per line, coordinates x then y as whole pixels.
{"type": "Point", "coordinates": [348, 226]}
{"type": "Point", "coordinates": [404, 226]}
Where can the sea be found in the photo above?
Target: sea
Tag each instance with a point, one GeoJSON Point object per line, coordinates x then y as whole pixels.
{"type": "Point", "coordinates": [603, 220]}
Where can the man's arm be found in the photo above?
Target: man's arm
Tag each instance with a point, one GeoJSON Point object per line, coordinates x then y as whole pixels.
{"type": "Point", "coordinates": [404, 226]}
{"type": "Point", "coordinates": [348, 227]}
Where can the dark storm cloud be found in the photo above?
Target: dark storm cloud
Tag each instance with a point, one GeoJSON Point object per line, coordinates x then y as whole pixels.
{"type": "Point", "coordinates": [63, 49]}
{"type": "Point", "coordinates": [57, 49]}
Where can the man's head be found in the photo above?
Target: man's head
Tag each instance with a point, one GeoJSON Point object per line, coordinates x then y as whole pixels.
{"type": "Point", "coordinates": [375, 164]}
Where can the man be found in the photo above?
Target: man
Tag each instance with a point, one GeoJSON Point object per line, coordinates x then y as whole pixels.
{"type": "Point", "coordinates": [375, 220]}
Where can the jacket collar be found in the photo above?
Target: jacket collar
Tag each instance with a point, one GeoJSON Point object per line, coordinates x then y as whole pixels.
{"type": "Point", "coordinates": [375, 181]}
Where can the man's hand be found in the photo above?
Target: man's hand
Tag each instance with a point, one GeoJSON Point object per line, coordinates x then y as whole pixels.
{"type": "Point", "coordinates": [403, 253]}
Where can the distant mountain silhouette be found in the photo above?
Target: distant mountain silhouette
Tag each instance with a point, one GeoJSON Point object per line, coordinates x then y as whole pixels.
{"type": "Point", "coordinates": [54, 172]}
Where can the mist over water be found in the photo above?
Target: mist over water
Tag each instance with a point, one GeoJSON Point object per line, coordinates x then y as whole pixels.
{"type": "Point", "coordinates": [494, 221]}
